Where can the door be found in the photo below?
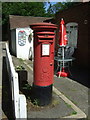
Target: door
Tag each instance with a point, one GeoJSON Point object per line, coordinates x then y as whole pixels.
{"type": "Point", "coordinates": [72, 34]}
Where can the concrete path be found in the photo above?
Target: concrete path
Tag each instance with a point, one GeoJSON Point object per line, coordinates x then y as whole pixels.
{"type": "Point", "coordinates": [74, 94]}
{"type": "Point", "coordinates": [73, 90]}
{"type": "Point", "coordinates": [70, 97]}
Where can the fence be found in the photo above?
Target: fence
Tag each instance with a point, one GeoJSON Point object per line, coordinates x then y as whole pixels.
{"type": "Point", "coordinates": [19, 100]}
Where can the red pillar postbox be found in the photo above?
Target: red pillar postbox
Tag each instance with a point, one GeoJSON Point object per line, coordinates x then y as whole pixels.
{"type": "Point", "coordinates": [44, 38]}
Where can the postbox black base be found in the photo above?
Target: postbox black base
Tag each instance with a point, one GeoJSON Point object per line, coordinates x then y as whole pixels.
{"type": "Point", "coordinates": [42, 95]}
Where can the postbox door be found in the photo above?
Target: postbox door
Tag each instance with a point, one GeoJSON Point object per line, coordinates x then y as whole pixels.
{"type": "Point", "coordinates": [44, 72]}
{"type": "Point", "coordinates": [44, 58]}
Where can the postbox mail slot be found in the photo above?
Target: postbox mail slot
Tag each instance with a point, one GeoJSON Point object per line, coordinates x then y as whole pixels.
{"type": "Point", "coordinates": [45, 38]}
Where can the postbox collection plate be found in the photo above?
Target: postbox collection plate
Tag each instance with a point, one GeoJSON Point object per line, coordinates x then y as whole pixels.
{"type": "Point", "coordinates": [45, 49]}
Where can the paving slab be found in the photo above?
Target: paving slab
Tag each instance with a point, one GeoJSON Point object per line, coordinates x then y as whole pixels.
{"type": "Point", "coordinates": [57, 109]}
{"type": "Point", "coordinates": [72, 88]}
{"type": "Point", "coordinates": [60, 109]}
{"type": "Point", "coordinates": [74, 91]}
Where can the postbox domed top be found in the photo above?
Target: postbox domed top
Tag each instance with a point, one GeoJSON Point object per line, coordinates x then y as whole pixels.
{"type": "Point", "coordinates": [43, 25]}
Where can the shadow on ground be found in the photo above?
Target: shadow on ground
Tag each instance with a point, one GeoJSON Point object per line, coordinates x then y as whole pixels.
{"type": "Point", "coordinates": [6, 94]}
{"type": "Point", "coordinates": [77, 73]}
{"type": "Point", "coordinates": [80, 75]}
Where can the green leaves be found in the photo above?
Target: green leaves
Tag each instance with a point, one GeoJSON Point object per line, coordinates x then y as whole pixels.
{"type": "Point", "coordinates": [20, 67]}
{"type": "Point", "coordinates": [23, 9]}
{"type": "Point", "coordinates": [36, 9]}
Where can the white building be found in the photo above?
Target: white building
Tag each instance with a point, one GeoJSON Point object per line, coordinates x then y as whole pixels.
{"type": "Point", "coordinates": [22, 42]}
{"type": "Point", "coordinates": [21, 35]}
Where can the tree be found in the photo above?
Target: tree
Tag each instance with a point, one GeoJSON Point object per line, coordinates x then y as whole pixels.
{"type": "Point", "coordinates": [32, 9]}
{"type": "Point", "coordinates": [49, 10]}
{"type": "Point", "coordinates": [54, 8]}
{"type": "Point", "coordinates": [29, 9]}
{"type": "Point", "coordinates": [23, 9]}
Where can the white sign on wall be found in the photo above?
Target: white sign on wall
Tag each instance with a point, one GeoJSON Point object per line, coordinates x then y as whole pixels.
{"type": "Point", "coordinates": [23, 43]}
{"type": "Point", "coordinates": [21, 38]}
{"type": "Point", "coordinates": [45, 49]}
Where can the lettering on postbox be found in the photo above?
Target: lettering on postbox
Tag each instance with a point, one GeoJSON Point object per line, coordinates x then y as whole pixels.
{"type": "Point", "coordinates": [45, 49]}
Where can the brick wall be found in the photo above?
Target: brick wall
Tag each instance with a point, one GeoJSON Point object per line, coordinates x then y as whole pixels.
{"type": "Point", "coordinates": [80, 15]}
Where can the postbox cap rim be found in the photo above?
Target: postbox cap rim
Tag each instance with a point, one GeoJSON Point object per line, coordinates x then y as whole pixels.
{"type": "Point", "coordinates": [43, 24]}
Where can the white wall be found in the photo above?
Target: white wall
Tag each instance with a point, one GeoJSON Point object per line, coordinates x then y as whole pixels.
{"type": "Point", "coordinates": [19, 100]}
{"type": "Point", "coordinates": [24, 50]}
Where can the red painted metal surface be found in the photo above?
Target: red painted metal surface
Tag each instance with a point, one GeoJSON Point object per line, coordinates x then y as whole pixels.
{"type": "Point", "coordinates": [44, 36]}
{"type": "Point", "coordinates": [63, 36]}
